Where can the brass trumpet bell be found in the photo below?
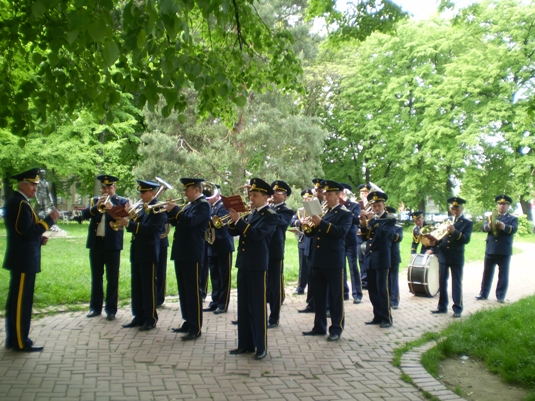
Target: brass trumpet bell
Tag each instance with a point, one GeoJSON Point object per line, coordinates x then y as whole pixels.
{"type": "Point", "coordinates": [160, 206]}
{"type": "Point", "coordinates": [220, 222]}
{"type": "Point", "coordinates": [102, 207]}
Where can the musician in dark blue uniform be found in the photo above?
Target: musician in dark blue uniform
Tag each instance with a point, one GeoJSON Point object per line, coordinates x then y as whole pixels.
{"type": "Point", "coordinates": [364, 190]}
{"type": "Point", "coordinates": [220, 257]}
{"type": "Point", "coordinates": [146, 230]}
{"type": "Point", "coordinates": [303, 244]}
{"type": "Point", "coordinates": [499, 249]}
{"type": "Point", "coordinates": [161, 267]}
{"type": "Point", "coordinates": [395, 260]}
{"type": "Point", "coordinates": [105, 245]}
{"type": "Point", "coordinates": [188, 252]}
{"type": "Point", "coordinates": [451, 256]}
{"type": "Point", "coordinates": [275, 284]}
{"type": "Point", "coordinates": [255, 231]}
{"type": "Point", "coordinates": [327, 261]}
{"type": "Point", "coordinates": [23, 259]}
{"type": "Point", "coordinates": [351, 250]}
{"type": "Point", "coordinates": [377, 228]}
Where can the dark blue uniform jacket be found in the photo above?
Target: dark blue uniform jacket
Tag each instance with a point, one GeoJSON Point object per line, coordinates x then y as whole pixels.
{"type": "Point", "coordinates": [379, 236]}
{"type": "Point", "coordinates": [502, 243]}
{"type": "Point", "coordinates": [224, 243]}
{"type": "Point", "coordinates": [451, 247]}
{"type": "Point", "coordinates": [112, 239]}
{"type": "Point", "coordinates": [284, 215]}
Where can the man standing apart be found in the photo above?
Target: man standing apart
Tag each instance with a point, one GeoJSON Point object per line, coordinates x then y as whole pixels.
{"type": "Point", "coordinates": [146, 230]}
{"type": "Point", "coordinates": [499, 249]}
{"type": "Point", "coordinates": [327, 262]}
{"type": "Point", "coordinates": [105, 246]}
{"type": "Point", "coordinates": [220, 258]}
{"type": "Point", "coordinates": [188, 252]}
{"type": "Point", "coordinates": [23, 259]}
{"type": "Point", "coordinates": [451, 256]}
{"type": "Point", "coordinates": [252, 261]}
{"type": "Point", "coordinates": [275, 285]}
{"type": "Point", "coordinates": [378, 230]}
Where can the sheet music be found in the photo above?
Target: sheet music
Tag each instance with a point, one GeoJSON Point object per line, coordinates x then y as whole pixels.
{"type": "Point", "coordinates": [313, 207]}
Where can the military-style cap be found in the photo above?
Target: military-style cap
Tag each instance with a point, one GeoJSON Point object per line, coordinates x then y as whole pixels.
{"type": "Point", "coordinates": [365, 187]}
{"type": "Point", "coordinates": [307, 193]}
{"type": "Point", "coordinates": [503, 199]}
{"type": "Point", "coordinates": [29, 176]}
{"type": "Point", "coordinates": [347, 186]}
{"type": "Point", "coordinates": [455, 201]}
{"type": "Point", "coordinates": [377, 196]}
{"type": "Point", "coordinates": [330, 186]}
{"type": "Point", "coordinates": [390, 209]}
{"type": "Point", "coordinates": [186, 182]}
{"type": "Point", "coordinates": [279, 185]}
{"type": "Point", "coordinates": [144, 186]}
{"type": "Point", "coordinates": [259, 185]}
{"type": "Point", "coordinates": [317, 182]}
{"type": "Point", "coordinates": [107, 179]}
{"type": "Point", "coordinates": [416, 215]}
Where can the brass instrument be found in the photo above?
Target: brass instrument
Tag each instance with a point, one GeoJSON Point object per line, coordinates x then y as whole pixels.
{"type": "Point", "coordinates": [220, 222]}
{"type": "Point", "coordinates": [309, 225]}
{"type": "Point", "coordinates": [160, 206]}
{"type": "Point", "coordinates": [374, 188]}
{"type": "Point", "coordinates": [493, 223]}
{"type": "Point", "coordinates": [209, 189]}
{"type": "Point", "coordinates": [439, 231]}
{"type": "Point", "coordinates": [102, 207]}
{"type": "Point", "coordinates": [133, 214]}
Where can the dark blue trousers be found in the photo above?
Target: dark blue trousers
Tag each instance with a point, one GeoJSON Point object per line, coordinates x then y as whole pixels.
{"type": "Point", "coordinates": [304, 270]}
{"type": "Point", "coordinates": [393, 285]}
{"type": "Point", "coordinates": [379, 296]}
{"type": "Point", "coordinates": [111, 259]}
{"type": "Point", "coordinates": [19, 310]}
{"type": "Point", "coordinates": [189, 291]}
{"type": "Point", "coordinates": [161, 275]}
{"type": "Point", "coordinates": [488, 274]}
{"type": "Point", "coordinates": [274, 289]}
{"type": "Point", "coordinates": [144, 294]}
{"type": "Point", "coordinates": [327, 284]}
{"type": "Point", "coordinates": [252, 310]}
{"type": "Point", "coordinates": [456, 287]}
{"type": "Point", "coordinates": [220, 275]}
{"type": "Point", "coordinates": [356, 284]}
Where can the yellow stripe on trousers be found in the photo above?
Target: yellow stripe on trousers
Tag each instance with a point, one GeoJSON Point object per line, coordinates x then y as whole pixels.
{"type": "Point", "coordinates": [19, 310]}
{"type": "Point", "coordinates": [198, 292]}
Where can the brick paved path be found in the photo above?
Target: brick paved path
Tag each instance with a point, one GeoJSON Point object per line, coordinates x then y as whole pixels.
{"type": "Point", "coordinates": [93, 359]}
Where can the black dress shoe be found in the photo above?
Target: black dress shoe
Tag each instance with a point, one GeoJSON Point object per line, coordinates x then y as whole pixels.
{"type": "Point", "coordinates": [133, 323]}
{"type": "Point", "coordinates": [501, 300]}
{"type": "Point", "coordinates": [30, 348]}
{"type": "Point", "coordinates": [180, 330]}
{"type": "Point", "coordinates": [260, 355]}
{"type": "Point", "coordinates": [436, 311]}
{"type": "Point", "coordinates": [373, 322]}
{"type": "Point", "coordinates": [93, 314]}
{"type": "Point", "coordinates": [299, 293]}
{"type": "Point", "coordinates": [159, 306]}
{"type": "Point", "coordinates": [357, 300]}
{"type": "Point", "coordinates": [110, 317]}
{"type": "Point", "coordinates": [333, 337]}
{"type": "Point", "coordinates": [147, 327]}
{"type": "Point", "coordinates": [346, 297]}
{"type": "Point", "coordinates": [306, 310]}
{"type": "Point", "coordinates": [190, 336]}
{"type": "Point", "coordinates": [239, 351]}
{"type": "Point", "coordinates": [234, 322]}
{"type": "Point", "coordinates": [481, 298]}
{"type": "Point", "coordinates": [219, 311]}
{"type": "Point", "coordinates": [385, 325]}
{"type": "Point", "coordinates": [210, 309]}
{"type": "Point", "coordinates": [312, 333]}
{"type": "Point", "coordinates": [272, 325]}
{"type": "Point", "coordinates": [456, 315]}
{"type": "Point", "coordinates": [395, 307]}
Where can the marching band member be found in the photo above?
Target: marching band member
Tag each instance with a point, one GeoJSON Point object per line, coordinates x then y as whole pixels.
{"type": "Point", "coordinates": [378, 228]}
{"type": "Point", "coordinates": [275, 284]}
{"type": "Point", "coordinates": [188, 252]}
{"type": "Point", "coordinates": [419, 222]}
{"type": "Point", "coordinates": [364, 190]}
{"type": "Point", "coordinates": [451, 256]}
{"type": "Point", "coordinates": [303, 245]}
{"type": "Point", "coordinates": [105, 246]}
{"type": "Point", "coordinates": [23, 259]}
{"type": "Point", "coordinates": [255, 232]}
{"type": "Point", "coordinates": [146, 230]}
{"type": "Point", "coordinates": [499, 249]}
{"type": "Point", "coordinates": [327, 261]}
{"type": "Point", "coordinates": [395, 260]}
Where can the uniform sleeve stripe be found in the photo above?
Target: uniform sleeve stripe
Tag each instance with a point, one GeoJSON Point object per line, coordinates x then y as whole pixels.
{"type": "Point", "coordinates": [246, 228]}
{"type": "Point", "coordinates": [43, 223]}
{"type": "Point", "coordinates": [328, 228]}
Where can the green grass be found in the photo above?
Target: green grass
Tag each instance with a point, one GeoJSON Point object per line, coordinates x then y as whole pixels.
{"type": "Point", "coordinates": [65, 278]}
{"type": "Point", "coordinates": [504, 338]}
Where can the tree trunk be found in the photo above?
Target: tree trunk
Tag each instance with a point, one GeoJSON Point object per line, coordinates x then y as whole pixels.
{"type": "Point", "coordinates": [8, 190]}
{"type": "Point", "coordinates": [526, 207]}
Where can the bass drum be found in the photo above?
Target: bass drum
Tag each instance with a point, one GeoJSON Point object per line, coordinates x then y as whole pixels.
{"type": "Point", "coordinates": [423, 275]}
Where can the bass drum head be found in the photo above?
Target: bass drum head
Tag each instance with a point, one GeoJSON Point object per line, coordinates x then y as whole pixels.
{"type": "Point", "coordinates": [432, 276]}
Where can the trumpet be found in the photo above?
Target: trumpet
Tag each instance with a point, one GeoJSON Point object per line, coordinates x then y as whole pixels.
{"type": "Point", "coordinates": [309, 225]}
{"type": "Point", "coordinates": [160, 206]}
{"type": "Point", "coordinates": [220, 222]}
{"type": "Point", "coordinates": [102, 207]}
